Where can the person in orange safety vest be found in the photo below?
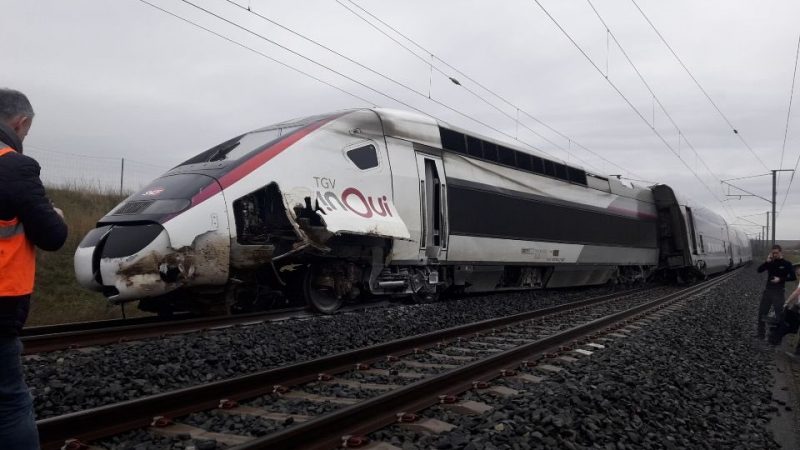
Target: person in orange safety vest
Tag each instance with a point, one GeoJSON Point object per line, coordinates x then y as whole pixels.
{"type": "Point", "coordinates": [27, 220]}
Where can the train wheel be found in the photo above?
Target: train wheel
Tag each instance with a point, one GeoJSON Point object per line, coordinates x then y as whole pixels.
{"type": "Point", "coordinates": [320, 292]}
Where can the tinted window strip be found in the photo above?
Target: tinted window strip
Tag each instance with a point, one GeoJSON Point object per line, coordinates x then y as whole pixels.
{"type": "Point", "coordinates": [488, 151]}
{"type": "Point", "coordinates": [523, 218]}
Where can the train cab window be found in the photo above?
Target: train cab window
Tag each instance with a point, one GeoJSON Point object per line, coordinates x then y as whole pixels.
{"type": "Point", "coordinates": [241, 146]}
{"type": "Point", "coordinates": [365, 157]}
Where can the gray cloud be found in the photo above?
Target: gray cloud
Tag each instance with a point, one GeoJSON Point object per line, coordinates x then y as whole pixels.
{"type": "Point", "coordinates": [125, 80]}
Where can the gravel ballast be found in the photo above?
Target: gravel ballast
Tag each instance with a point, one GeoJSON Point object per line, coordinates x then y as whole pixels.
{"type": "Point", "coordinates": [695, 379]}
{"type": "Point", "coordinates": [68, 381]}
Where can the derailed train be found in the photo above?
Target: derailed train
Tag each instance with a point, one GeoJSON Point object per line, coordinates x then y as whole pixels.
{"type": "Point", "coordinates": [375, 202]}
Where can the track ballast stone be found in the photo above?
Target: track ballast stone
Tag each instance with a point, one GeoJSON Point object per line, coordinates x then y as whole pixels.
{"type": "Point", "coordinates": [694, 379]}
{"type": "Point", "coordinates": [69, 381]}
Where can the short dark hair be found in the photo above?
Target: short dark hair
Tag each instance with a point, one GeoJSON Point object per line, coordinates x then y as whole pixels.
{"type": "Point", "coordinates": [777, 247]}
{"type": "Point", "coordinates": [14, 103]}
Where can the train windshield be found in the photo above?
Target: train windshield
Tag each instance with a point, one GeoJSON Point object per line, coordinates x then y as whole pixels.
{"type": "Point", "coordinates": [247, 144]}
{"type": "Point", "coordinates": [240, 146]}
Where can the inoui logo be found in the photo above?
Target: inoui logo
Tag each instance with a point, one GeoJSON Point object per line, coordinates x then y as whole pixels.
{"type": "Point", "coordinates": [353, 200]}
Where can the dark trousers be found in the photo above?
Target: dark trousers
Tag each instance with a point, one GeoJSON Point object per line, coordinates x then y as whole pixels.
{"type": "Point", "coordinates": [772, 298]}
{"type": "Point", "coordinates": [789, 324]}
{"type": "Point", "coordinates": [17, 423]}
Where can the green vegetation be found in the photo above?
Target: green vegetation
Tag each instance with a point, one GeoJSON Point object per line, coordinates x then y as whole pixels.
{"type": "Point", "coordinates": [57, 297]}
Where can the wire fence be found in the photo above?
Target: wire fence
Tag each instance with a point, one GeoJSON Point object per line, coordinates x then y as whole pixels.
{"type": "Point", "coordinates": [101, 173]}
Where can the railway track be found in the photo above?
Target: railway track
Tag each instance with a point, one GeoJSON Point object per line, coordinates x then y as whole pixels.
{"type": "Point", "coordinates": [386, 383]}
{"type": "Point", "coordinates": [84, 334]}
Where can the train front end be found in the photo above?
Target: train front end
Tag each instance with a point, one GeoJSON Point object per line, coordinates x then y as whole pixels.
{"type": "Point", "coordinates": [173, 245]}
{"type": "Point", "coordinates": [172, 234]}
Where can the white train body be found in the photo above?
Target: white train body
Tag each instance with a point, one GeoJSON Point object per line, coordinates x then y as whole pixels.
{"type": "Point", "coordinates": [385, 202]}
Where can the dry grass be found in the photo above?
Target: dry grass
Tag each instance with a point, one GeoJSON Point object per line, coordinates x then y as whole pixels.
{"type": "Point", "coordinates": [57, 296]}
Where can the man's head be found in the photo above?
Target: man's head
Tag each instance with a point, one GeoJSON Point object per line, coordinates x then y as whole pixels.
{"type": "Point", "coordinates": [16, 111]}
{"type": "Point", "coordinates": [776, 252]}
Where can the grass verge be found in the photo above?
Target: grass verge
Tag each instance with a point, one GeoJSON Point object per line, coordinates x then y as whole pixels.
{"type": "Point", "coordinates": [57, 297]}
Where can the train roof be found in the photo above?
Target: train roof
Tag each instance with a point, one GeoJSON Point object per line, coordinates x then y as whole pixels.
{"type": "Point", "coordinates": [424, 129]}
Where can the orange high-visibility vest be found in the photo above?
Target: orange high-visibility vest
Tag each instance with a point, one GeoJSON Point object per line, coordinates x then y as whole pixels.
{"type": "Point", "coordinates": [17, 256]}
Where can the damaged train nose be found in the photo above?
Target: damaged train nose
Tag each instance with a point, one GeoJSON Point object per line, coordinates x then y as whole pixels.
{"type": "Point", "coordinates": [148, 246]}
{"type": "Point", "coordinates": [126, 262]}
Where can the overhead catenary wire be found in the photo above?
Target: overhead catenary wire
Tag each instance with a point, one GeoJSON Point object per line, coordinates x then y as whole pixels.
{"type": "Point", "coordinates": [681, 134]}
{"type": "Point", "coordinates": [82, 155]}
{"type": "Point", "coordinates": [470, 91]}
{"type": "Point", "coordinates": [745, 178]}
{"type": "Point", "coordinates": [518, 109]}
{"type": "Point", "coordinates": [288, 66]}
{"type": "Point", "coordinates": [418, 93]}
{"type": "Point", "coordinates": [313, 61]}
{"type": "Point", "coordinates": [631, 105]}
{"type": "Point", "coordinates": [786, 130]}
{"type": "Point", "coordinates": [699, 86]}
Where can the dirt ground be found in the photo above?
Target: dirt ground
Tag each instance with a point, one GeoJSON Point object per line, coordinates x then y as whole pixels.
{"type": "Point", "coordinates": [785, 423]}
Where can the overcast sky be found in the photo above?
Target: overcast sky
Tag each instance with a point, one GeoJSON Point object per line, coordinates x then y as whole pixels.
{"type": "Point", "coordinates": [122, 79]}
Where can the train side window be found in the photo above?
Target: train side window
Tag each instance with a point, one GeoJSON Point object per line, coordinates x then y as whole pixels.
{"type": "Point", "coordinates": [561, 171]}
{"type": "Point", "coordinates": [474, 147]}
{"type": "Point", "coordinates": [549, 168]}
{"type": "Point", "coordinates": [365, 157]}
{"type": "Point", "coordinates": [576, 175]}
{"type": "Point", "coordinates": [524, 161]}
{"type": "Point", "coordinates": [538, 164]}
{"type": "Point", "coordinates": [507, 156]}
{"type": "Point", "coordinates": [489, 151]}
{"type": "Point", "coordinates": [453, 140]}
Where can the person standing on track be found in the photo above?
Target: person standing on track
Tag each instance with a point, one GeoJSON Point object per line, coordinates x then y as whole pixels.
{"type": "Point", "coordinates": [779, 271]}
{"type": "Point", "coordinates": [27, 220]}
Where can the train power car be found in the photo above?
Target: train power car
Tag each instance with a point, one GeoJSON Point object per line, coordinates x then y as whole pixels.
{"type": "Point", "coordinates": [374, 202]}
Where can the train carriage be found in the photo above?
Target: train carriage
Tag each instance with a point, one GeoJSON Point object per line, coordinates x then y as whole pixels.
{"type": "Point", "coordinates": [372, 202]}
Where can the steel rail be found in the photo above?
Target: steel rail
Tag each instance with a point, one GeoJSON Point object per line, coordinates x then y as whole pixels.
{"type": "Point", "coordinates": [327, 431]}
{"type": "Point", "coordinates": [99, 324]}
{"type": "Point", "coordinates": [61, 337]}
{"type": "Point", "coordinates": [116, 418]}
{"type": "Point", "coordinates": [41, 343]}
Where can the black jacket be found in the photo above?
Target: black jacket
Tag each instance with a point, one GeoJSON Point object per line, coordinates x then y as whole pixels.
{"type": "Point", "coordinates": [780, 268]}
{"type": "Point", "coordinates": [22, 195]}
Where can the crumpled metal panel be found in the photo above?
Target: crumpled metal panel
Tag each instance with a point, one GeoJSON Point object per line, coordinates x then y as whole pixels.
{"type": "Point", "coordinates": [351, 210]}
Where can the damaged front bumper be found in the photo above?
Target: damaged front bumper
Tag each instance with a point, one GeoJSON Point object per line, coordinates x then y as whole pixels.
{"type": "Point", "coordinates": [131, 262]}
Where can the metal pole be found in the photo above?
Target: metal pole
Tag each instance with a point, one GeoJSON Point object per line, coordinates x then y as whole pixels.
{"type": "Point", "coordinates": [122, 175]}
{"type": "Point", "coordinates": [766, 236]}
{"type": "Point", "coordinates": [774, 224]}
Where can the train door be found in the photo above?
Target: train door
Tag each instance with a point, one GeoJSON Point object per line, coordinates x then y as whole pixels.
{"type": "Point", "coordinates": [690, 220]}
{"type": "Point", "coordinates": [433, 208]}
